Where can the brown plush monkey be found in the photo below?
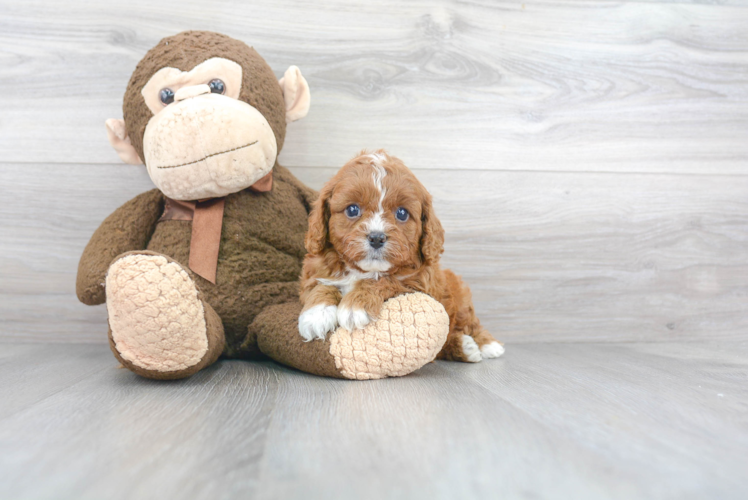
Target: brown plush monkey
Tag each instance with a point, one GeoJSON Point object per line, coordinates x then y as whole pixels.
{"type": "Point", "coordinates": [207, 264]}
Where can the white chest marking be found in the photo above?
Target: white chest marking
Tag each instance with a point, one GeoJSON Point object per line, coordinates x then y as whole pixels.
{"type": "Point", "coordinates": [345, 284]}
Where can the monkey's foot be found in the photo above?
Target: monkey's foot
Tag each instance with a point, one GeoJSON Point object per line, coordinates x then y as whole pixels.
{"type": "Point", "coordinates": [410, 331]}
{"type": "Point", "coordinates": [159, 325]}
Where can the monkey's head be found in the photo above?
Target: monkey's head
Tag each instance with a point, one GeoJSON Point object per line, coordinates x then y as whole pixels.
{"type": "Point", "coordinates": [206, 114]}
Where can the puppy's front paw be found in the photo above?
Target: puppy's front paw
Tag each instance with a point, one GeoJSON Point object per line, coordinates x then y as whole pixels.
{"type": "Point", "coordinates": [315, 322]}
{"type": "Point", "coordinates": [491, 350]}
{"type": "Point", "coordinates": [470, 349]}
{"type": "Point", "coordinates": [352, 318]}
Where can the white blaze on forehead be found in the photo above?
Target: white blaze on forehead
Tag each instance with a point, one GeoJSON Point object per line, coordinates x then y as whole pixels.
{"type": "Point", "coordinates": [376, 222]}
{"type": "Point", "coordinates": [378, 176]}
{"type": "Point", "coordinates": [377, 158]}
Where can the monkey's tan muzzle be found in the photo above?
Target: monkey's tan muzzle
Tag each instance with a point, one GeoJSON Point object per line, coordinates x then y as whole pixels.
{"type": "Point", "coordinates": [207, 145]}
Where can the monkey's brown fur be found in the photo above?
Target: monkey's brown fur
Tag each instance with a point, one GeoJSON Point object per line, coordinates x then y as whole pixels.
{"type": "Point", "coordinates": [259, 260]}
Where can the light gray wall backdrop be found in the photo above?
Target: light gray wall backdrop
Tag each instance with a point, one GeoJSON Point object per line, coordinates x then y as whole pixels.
{"type": "Point", "coordinates": [588, 158]}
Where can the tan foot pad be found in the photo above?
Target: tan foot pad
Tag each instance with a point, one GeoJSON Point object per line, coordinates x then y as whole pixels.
{"type": "Point", "coordinates": [408, 334]}
{"type": "Point", "coordinates": [155, 315]}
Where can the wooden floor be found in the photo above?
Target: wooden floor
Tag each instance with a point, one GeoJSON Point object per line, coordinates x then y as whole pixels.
{"type": "Point", "coordinates": [582, 420]}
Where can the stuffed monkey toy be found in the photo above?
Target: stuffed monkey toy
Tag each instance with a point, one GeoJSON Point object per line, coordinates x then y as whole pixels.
{"type": "Point", "coordinates": [207, 264]}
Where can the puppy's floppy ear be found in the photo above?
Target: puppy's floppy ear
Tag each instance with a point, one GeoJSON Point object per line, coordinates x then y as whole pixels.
{"type": "Point", "coordinates": [317, 235]}
{"type": "Point", "coordinates": [432, 236]}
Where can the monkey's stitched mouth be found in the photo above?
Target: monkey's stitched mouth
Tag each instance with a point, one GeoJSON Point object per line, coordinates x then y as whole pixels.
{"type": "Point", "coordinates": [211, 155]}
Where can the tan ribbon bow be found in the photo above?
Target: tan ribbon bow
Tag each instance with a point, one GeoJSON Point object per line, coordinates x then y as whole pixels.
{"type": "Point", "coordinates": [207, 222]}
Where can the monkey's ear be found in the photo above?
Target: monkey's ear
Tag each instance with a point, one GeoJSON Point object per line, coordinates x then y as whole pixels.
{"type": "Point", "coordinates": [295, 93]}
{"type": "Point", "coordinates": [117, 133]}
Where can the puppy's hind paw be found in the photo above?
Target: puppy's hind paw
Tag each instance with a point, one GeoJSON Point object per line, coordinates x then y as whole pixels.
{"type": "Point", "coordinates": [491, 350]}
{"type": "Point", "coordinates": [353, 319]}
{"type": "Point", "coordinates": [470, 349]}
{"type": "Point", "coordinates": [315, 322]}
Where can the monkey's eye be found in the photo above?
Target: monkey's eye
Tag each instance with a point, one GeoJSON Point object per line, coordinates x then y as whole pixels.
{"type": "Point", "coordinates": [167, 96]}
{"type": "Point", "coordinates": [217, 86]}
{"type": "Point", "coordinates": [352, 211]}
{"type": "Point", "coordinates": [401, 214]}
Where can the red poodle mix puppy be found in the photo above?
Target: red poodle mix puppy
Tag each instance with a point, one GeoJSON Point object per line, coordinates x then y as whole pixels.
{"type": "Point", "coordinates": [373, 235]}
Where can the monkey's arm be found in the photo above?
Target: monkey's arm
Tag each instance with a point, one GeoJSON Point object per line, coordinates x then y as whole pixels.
{"type": "Point", "coordinates": [130, 227]}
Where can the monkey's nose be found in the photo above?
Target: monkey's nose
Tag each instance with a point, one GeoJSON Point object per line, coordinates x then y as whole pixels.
{"type": "Point", "coordinates": [191, 91]}
{"type": "Point", "coordinates": [376, 240]}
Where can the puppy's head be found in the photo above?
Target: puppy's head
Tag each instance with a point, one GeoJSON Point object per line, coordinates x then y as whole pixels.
{"type": "Point", "coordinates": [377, 216]}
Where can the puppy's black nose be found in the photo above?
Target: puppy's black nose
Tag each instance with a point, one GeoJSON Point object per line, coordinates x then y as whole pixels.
{"type": "Point", "coordinates": [376, 240]}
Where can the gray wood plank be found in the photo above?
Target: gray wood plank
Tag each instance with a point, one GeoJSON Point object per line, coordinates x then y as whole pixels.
{"type": "Point", "coordinates": [121, 436]}
{"type": "Point", "coordinates": [574, 86]}
{"type": "Point", "coordinates": [33, 372]}
{"type": "Point", "coordinates": [428, 436]}
{"type": "Point", "coordinates": [658, 420]}
{"type": "Point", "coordinates": [549, 256]}
{"type": "Point", "coordinates": [640, 406]}
{"type": "Point", "coordinates": [457, 431]}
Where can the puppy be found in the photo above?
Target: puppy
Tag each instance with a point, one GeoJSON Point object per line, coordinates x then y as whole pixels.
{"type": "Point", "coordinates": [373, 235]}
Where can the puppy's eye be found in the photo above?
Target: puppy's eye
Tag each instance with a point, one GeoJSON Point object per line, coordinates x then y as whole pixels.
{"type": "Point", "coordinates": [166, 96]}
{"type": "Point", "coordinates": [353, 211]}
{"type": "Point", "coordinates": [401, 214]}
{"type": "Point", "coordinates": [217, 86]}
